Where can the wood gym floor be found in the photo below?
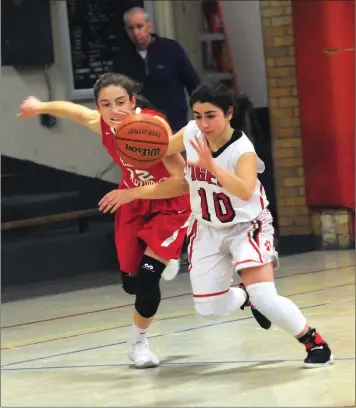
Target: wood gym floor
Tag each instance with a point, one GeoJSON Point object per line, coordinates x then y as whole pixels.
{"type": "Point", "coordinates": [69, 349]}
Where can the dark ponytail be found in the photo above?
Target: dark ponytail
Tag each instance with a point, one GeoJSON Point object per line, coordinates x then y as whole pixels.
{"type": "Point", "coordinates": [144, 103]}
{"type": "Point", "coordinates": [244, 116]}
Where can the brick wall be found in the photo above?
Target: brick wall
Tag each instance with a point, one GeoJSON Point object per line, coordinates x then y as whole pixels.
{"type": "Point", "coordinates": [333, 227]}
{"type": "Point", "coordinates": [293, 214]}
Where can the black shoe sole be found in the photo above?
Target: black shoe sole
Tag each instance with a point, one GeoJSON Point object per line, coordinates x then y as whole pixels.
{"type": "Point", "coordinates": [319, 365]}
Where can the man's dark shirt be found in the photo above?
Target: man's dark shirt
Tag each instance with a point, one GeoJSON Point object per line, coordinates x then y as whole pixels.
{"type": "Point", "coordinates": [164, 74]}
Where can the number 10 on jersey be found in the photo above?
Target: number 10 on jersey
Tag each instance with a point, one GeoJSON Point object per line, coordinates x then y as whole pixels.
{"type": "Point", "coordinates": [223, 208]}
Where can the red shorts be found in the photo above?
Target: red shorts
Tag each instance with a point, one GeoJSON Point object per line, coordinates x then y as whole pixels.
{"type": "Point", "coordinates": [158, 224]}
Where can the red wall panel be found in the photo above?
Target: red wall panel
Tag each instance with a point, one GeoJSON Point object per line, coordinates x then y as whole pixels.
{"type": "Point", "coordinates": [326, 88]}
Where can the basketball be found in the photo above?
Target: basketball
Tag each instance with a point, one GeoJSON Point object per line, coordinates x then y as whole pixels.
{"type": "Point", "coordinates": [141, 140]}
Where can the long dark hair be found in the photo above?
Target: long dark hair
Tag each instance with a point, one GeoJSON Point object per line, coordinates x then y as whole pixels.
{"type": "Point", "coordinates": [218, 94]}
{"type": "Point", "coordinates": [132, 88]}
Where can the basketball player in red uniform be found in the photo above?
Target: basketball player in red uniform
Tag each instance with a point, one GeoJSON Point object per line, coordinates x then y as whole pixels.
{"type": "Point", "coordinates": [149, 232]}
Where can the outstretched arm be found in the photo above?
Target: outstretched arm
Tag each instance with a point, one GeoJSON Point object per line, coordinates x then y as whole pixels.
{"type": "Point", "coordinates": [176, 144]}
{"type": "Point", "coordinates": [61, 109]}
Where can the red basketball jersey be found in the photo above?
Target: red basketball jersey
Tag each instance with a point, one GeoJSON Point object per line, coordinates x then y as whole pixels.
{"type": "Point", "coordinates": [131, 175]}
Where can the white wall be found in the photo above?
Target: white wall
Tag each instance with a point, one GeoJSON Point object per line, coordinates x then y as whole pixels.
{"type": "Point", "coordinates": [67, 146]}
{"type": "Point", "coordinates": [243, 26]}
{"type": "Point", "coordinates": [244, 32]}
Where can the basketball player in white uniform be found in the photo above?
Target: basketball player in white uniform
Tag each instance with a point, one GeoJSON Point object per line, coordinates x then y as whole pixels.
{"type": "Point", "coordinates": [231, 229]}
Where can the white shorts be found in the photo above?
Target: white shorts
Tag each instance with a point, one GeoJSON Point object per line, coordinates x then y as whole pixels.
{"type": "Point", "coordinates": [215, 254]}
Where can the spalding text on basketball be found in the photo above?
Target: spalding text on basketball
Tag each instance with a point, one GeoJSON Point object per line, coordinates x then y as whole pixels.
{"type": "Point", "coordinates": [144, 151]}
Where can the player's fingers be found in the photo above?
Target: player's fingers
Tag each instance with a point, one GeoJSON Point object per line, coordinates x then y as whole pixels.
{"type": "Point", "coordinates": [103, 199]}
{"type": "Point", "coordinates": [201, 143]}
{"type": "Point", "coordinates": [206, 151]}
{"type": "Point", "coordinates": [116, 206]}
{"type": "Point", "coordinates": [202, 148]}
{"type": "Point", "coordinates": [107, 197]}
{"type": "Point", "coordinates": [102, 208]}
{"type": "Point", "coordinates": [205, 145]}
{"type": "Point", "coordinates": [195, 146]}
{"type": "Point", "coordinates": [104, 203]}
{"type": "Point", "coordinates": [196, 141]}
{"type": "Point", "coordinates": [108, 207]}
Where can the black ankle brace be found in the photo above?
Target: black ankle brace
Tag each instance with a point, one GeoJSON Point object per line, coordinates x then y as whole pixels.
{"type": "Point", "coordinates": [309, 337]}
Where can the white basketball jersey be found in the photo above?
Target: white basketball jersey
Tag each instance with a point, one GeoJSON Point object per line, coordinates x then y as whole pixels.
{"type": "Point", "coordinates": [211, 203]}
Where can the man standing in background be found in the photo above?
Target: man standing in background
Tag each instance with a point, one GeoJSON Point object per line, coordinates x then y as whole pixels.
{"type": "Point", "coordinates": [160, 65]}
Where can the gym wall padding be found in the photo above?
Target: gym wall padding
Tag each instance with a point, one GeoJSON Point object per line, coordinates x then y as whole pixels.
{"type": "Point", "coordinates": [324, 34]}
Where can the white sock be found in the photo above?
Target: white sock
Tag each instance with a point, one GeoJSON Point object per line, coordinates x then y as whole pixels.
{"type": "Point", "coordinates": [138, 334]}
{"type": "Point", "coordinates": [278, 309]}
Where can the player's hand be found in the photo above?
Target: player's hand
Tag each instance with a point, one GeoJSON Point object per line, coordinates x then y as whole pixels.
{"type": "Point", "coordinates": [122, 115]}
{"type": "Point", "coordinates": [28, 107]}
{"type": "Point", "coordinates": [205, 160]}
{"type": "Point", "coordinates": [119, 116]}
{"type": "Point", "coordinates": [113, 200]}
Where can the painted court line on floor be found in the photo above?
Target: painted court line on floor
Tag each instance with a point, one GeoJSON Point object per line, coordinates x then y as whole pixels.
{"type": "Point", "coordinates": [16, 345]}
{"type": "Point", "coordinates": [63, 336]}
{"type": "Point", "coordinates": [340, 359]}
{"type": "Point", "coordinates": [164, 298]}
{"type": "Point", "coordinates": [150, 337]}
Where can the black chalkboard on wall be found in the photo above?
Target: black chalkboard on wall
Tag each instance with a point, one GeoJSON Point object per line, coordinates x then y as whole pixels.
{"type": "Point", "coordinates": [94, 32]}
